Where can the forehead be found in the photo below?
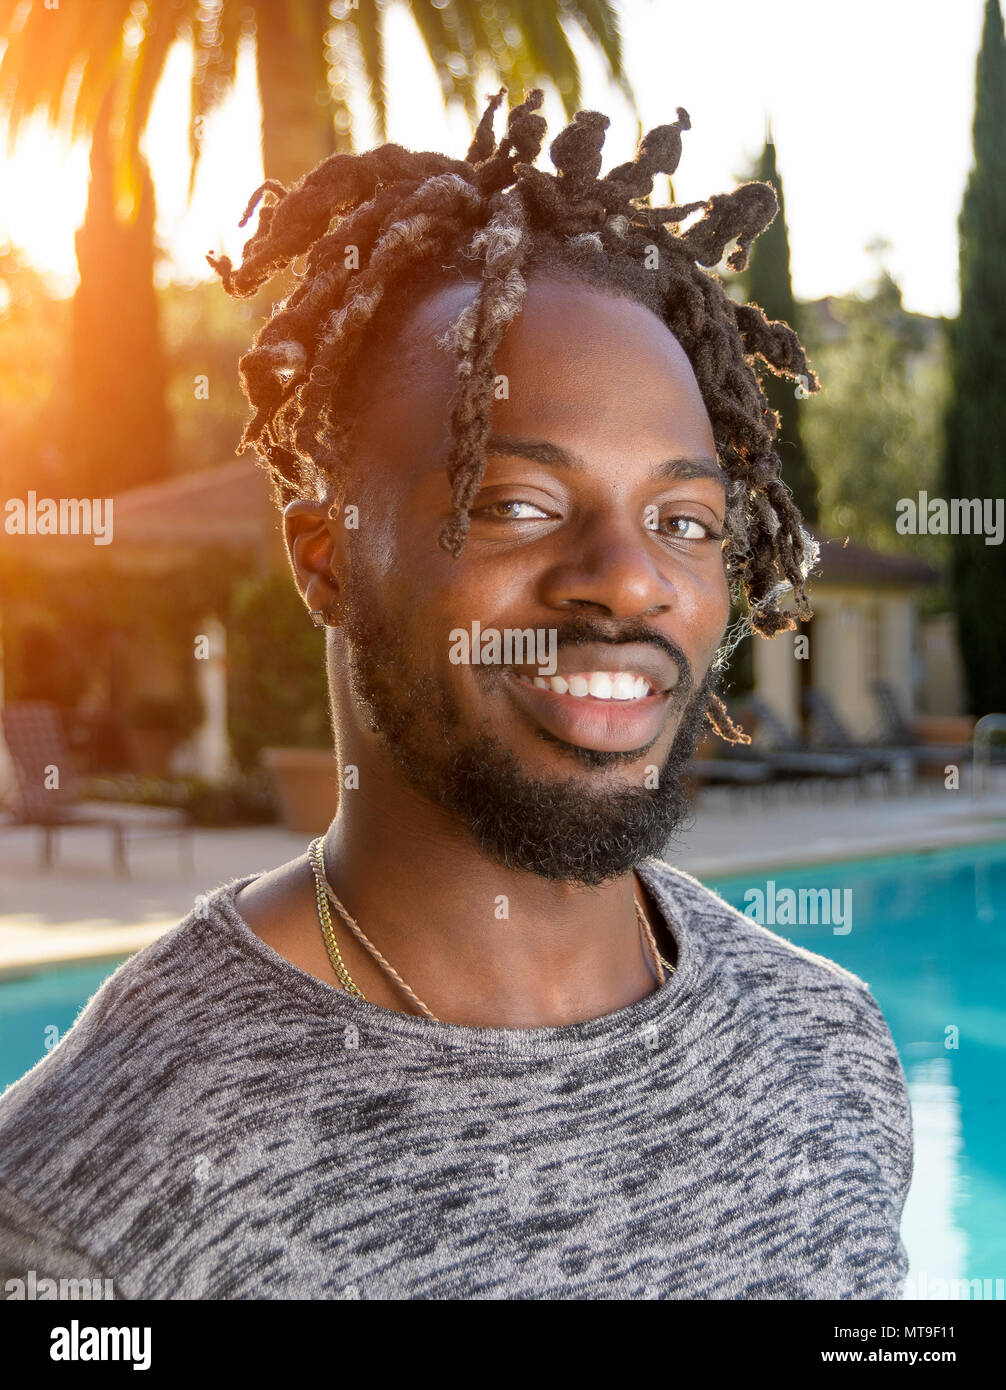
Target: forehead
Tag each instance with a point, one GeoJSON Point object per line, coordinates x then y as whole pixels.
{"type": "Point", "coordinates": [594, 371]}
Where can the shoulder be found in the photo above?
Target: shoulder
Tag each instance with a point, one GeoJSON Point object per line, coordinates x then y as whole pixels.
{"type": "Point", "coordinates": [812, 1005]}
{"type": "Point", "coordinates": [741, 940]}
{"type": "Point", "coordinates": [761, 958]}
{"type": "Point", "coordinates": [133, 1049]}
{"type": "Point", "coordinates": [172, 1064]}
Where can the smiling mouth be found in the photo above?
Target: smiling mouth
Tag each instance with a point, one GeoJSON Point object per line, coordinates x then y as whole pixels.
{"type": "Point", "coordinates": [608, 711]}
{"type": "Point", "coordinates": [595, 685]}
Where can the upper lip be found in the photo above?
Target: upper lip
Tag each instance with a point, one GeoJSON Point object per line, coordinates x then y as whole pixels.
{"type": "Point", "coordinates": [637, 658]}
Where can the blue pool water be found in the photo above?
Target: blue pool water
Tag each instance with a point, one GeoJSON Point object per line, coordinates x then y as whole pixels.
{"type": "Point", "coordinates": [36, 1012]}
{"type": "Point", "coordinates": [927, 932]}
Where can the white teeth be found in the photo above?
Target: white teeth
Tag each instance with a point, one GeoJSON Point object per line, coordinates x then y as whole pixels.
{"type": "Point", "coordinates": [599, 685]}
{"type": "Point", "coordinates": [623, 687]}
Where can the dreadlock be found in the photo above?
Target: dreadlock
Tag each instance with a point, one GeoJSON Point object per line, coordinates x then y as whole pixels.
{"type": "Point", "coordinates": [407, 213]}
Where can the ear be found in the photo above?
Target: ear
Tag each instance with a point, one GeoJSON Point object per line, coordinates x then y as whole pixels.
{"type": "Point", "coordinates": [316, 546]}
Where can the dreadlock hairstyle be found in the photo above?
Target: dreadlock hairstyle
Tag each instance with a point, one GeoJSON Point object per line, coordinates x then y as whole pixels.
{"type": "Point", "coordinates": [500, 219]}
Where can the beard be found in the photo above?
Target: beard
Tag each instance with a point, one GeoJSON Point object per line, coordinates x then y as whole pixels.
{"type": "Point", "coordinates": [563, 830]}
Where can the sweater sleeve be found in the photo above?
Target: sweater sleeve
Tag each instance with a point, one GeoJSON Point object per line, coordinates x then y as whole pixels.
{"type": "Point", "coordinates": [34, 1248]}
{"type": "Point", "coordinates": [892, 1107]}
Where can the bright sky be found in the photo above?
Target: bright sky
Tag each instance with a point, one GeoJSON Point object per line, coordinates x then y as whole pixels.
{"type": "Point", "coordinates": [871, 103]}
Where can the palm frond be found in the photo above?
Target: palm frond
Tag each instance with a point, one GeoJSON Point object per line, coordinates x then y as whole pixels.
{"type": "Point", "coordinates": [342, 46]}
{"type": "Point", "coordinates": [550, 50]}
{"type": "Point", "coordinates": [103, 44]}
{"type": "Point", "coordinates": [161, 31]}
{"type": "Point", "coordinates": [66, 62]}
{"type": "Point", "coordinates": [599, 21]}
{"type": "Point", "coordinates": [216, 43]}
{"type": "Point", "coordinates": [439, 31]}
{"type": "Point", "coordinates": [48, 56]}
{"type": "Point", "coordinates": [370, 33]}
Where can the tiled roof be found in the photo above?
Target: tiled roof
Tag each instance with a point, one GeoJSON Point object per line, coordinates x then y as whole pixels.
{"type": "Point", "coordinates": [227, 505]}
{"type": "Point", "coordinates": [843, 562]}
{"type": "Point", "coordinates": [161, 526]}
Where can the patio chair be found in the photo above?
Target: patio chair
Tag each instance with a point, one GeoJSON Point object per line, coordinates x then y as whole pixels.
{"type": "Point", "coordinates": [40, 753]}
{"type": "Point", "coordinates": [740, 776]}
{"type": "Point", "coordinates": [788, 754]}
{"type": "Point", "coordinates": [898, 730]}
{"type": "Point", "coordinates": [832, 733]}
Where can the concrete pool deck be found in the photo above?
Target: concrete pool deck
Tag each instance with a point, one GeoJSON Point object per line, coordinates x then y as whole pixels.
{"type": "Point", "coordinates": [81, 911]}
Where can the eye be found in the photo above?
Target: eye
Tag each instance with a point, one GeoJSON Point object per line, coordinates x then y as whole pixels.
{"type": "Point", "coordinates": [687, 528]}
{"type": "Point", "coordinates": [512, 509]}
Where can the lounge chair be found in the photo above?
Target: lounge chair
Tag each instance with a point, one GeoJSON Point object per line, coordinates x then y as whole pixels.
{"type": "Point", "coordinates": [786, 752]}
{"type": "Point", "coordinates": [730, 771]}
{"type": "Point", "coordinates": [898, 731]}
{"type": "Point", "coordinates": [833, 734]}
{"type": "Point", "coordinates": [48, 789]}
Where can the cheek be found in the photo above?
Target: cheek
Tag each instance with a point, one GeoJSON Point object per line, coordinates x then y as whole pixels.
{"type": "Point", "coordinates": [704, 604]}
{"type": "Point", "coordinates": [421, 593]}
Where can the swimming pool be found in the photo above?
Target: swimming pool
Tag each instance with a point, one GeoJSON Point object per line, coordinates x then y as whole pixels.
{"type": "Point", "coordinates": [927, 932]}
{"type": "Point", "coordinates": [36, 1011]}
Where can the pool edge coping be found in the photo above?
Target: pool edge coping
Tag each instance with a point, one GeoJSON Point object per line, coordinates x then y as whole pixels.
{"type": "Point", "coordinates": [873, 849]}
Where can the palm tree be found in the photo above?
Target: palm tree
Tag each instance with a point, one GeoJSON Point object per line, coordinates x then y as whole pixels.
{"type": "Point", "coordinates": [305, 51]}
{"type": "Point", "coordinates": [93, 71]}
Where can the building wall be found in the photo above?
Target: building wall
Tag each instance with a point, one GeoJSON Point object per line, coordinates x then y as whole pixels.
{"type": "Point", "coordinates": [859, 635]}
{"type": "Point", "coordinates": [942, 689]}
{"type": "Point", "coordinates": [840, 657]}
{"type": "Point", "coordinates": [776, 676]}
{"type": "Point", "coordinates": [899, 652]}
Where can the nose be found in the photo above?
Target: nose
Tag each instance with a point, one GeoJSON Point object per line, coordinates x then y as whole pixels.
{"type": "Point", "coordinates": [612, 566]}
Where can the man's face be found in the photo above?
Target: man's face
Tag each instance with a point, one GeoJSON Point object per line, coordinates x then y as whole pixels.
{"type": "Point", "coordinates": [598, 524]}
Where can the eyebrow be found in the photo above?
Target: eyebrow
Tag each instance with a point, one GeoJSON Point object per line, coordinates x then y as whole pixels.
{"type": "Point", "coordinates": [554, 456]}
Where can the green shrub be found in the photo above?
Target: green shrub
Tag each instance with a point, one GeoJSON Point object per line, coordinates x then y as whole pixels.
{"type": "Point", "coordinates": [277, 688]}
{"type": "Point", "coordinates": [180, 716]}
{"type": "Point", "coordinates": [243, 800]}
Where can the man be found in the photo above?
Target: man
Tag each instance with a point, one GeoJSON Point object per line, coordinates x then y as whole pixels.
{"type": "Point", "coordinates": [481, 1042]}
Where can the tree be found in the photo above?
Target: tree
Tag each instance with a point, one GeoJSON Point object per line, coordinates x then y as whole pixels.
{"type": "Point", "coordinates": [874, 433]}
{"type": "Point", "coordinates": [94, 69]}
{"type": "Point", "coordinates": [116, 419]}
{"type": "Point", "coordinates": [975, 458]}
{"type": "Point", "coordinates": [305, 52]}
{"type": "Point", "coordinates": [767, 282]}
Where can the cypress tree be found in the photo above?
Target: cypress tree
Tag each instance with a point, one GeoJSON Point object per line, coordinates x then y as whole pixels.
{"type": "Point", "coordinates": [767, 282]}
{"type": "Point", "coordinates": [975, 450]}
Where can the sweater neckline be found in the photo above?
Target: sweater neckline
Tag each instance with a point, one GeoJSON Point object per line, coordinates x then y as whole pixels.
{"type": "Point", "coordinates": [589, 1035]}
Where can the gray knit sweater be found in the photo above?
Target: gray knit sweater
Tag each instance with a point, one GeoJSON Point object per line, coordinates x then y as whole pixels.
{"type": "Point", "coordinates": [219, 1124]}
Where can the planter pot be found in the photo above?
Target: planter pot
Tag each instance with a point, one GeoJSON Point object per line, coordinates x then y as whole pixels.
{"type": "Point", "coordinates": [944, 728]}
{"type": "Point", "coordinates": [306, 782]}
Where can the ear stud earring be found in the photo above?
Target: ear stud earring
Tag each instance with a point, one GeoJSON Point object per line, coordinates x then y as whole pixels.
{"type": "Point", "coordinates": [319, 616]}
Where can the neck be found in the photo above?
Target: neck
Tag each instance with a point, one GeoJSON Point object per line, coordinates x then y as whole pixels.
{"type": "Point", "coordinates": [504, 947]}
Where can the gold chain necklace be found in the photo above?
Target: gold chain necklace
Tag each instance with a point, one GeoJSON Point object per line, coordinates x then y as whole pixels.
{"type": "Point", "coordinates": [325, 892]}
